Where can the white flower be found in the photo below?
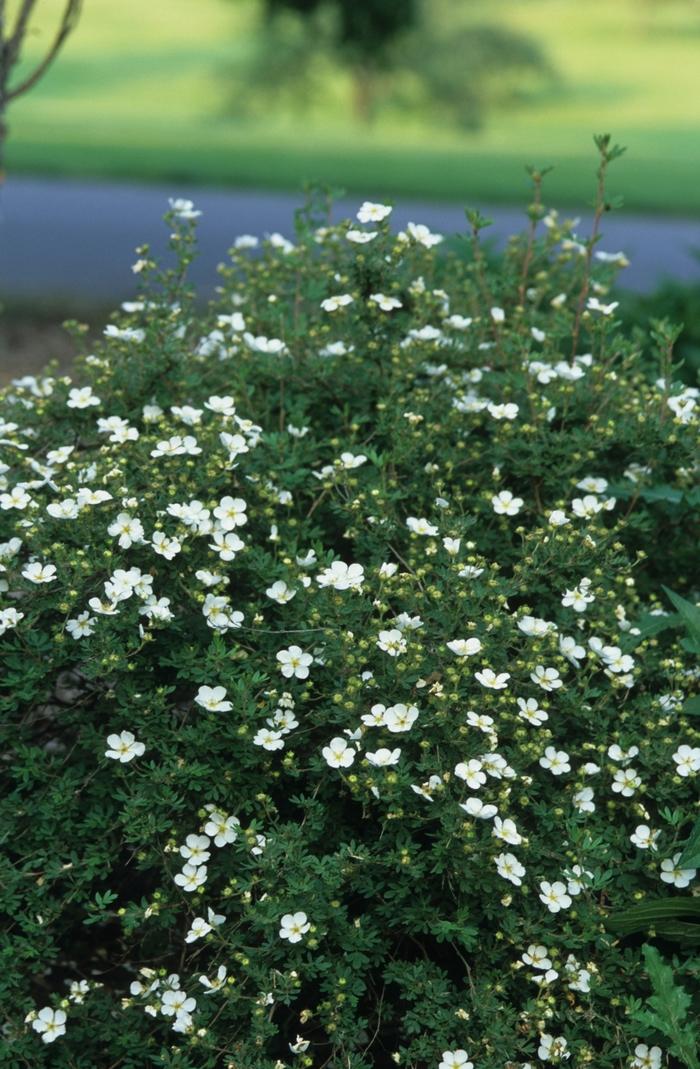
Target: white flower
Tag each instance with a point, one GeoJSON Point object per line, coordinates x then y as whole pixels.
{"type": "Point", "coordinates": [339, 300]}
{"type": "Point", "coordinates": [594, 305]}
{"type": "Point", "coordinates": [646, 1057]}
{"type": "Point", "coordinates": [537, 956]}
{"type": "Point", "coordinates": [261, 344]}
{"type": "Point", "coordinates": [530, 711]}
{"type": "Point", "coordinates": [687, 759]}
{"type": "Point", "coordinates": [552, 1049]}
{"type": "Point", "coordinates": [421, 526]}
{"type": "Point", "coordinates": [361, 237]}
{"type": "Point", "coordinates": [227, 544]}
{"type": "Point", "coordinates": [557, 518]}
{"type": "Point", "coordinates": [616, 753]}
{"type": "Point", "coordinates": [213, 699]}
{"type": "Point", "coordinates": [294, 663]}
{"type": "Point", "coordinates": [534, 627]}
{"type": "Point", "coordinates": [217, 983]}
{"type": "Point", "coordinates": [556, 761]}
{"type": "Point", "coordinates": [421, 234]}
{"type": "Point", "coordinates": [373, 213]}
{"type": "Point", "coordinates": [293, 926]}
{"type": "Point", "coordinates": [9, 618]}
{"type": "Point", "coordinates": [554, 896]}
{"type": "Point", "coordinates": [195, 849]}
{"type": "Point", "coordinates": [165, 546]}
{"type": "Point", "coordinates": [386, 304]}
{"type": "Point", "coordinates": [481, 721]}
{"type": "Point", "coordinates": [341, 576]}
{"type": "Point", "coordinates": [63, 510]}
{"type": "Point", "coordinates": [128, 528]}
{"type": "Point", "coordinates": [269, 740]}
{"type": "Point", "coordinates": [579, 598]}
{"type": "Point", "coordinates": [626, 781]}
{"type": "Point", "coordinates": [494, 681]}
{"type": "Point", "coordinates": [198, 929]}
{"type": "Point", "coordinates": [191, 877]}
{"type": "Point", "coordinates": [36, 572]}
{"type": "Point", "coordinates": [471, 772]}
{"type": "Point", "coordinates": [124, 747]}
{"type": "Point", "coordinates": [222, 828]}
{"type": "Point", "coordinates": [507, 831]}
{"type": "Point", "coordinates": [18, 498]}
{"type": "Point", "coordinates": [583, 800]}
{"type": "Point", "coordinates": [503, 411]}
{"type": "Point", "coordinates": [338, 754]}
{"type": "Point", "coordinates": [504, 504]}
{"type": "Point", "coordinates": [50, 1024]}
{"type": "Point", "coordinates": [231, 512]}
{"type": "Point", "coordinates": [547, 678]}
{"type": "Point", "coordinates": [671, 873]}
{"type": "Point", "coordinates": [476, 808]}
{"type": "Point", "coordinates": [400, 717]}
{"type": "Point", "coordinates": [280, 592]}
{"type": "Point", "coordinates": [455, 1059]}
{"type": "Point", "coordinates": [392, 642]}
{"type": "Point", "coordinates": [183, 209]}
{"type": "Point", "coordinates": [383, 757]}
{"type": "Point", "coordinates": [464, 647]}
{"type": "Point", "coordinates": [82, 397]}
{"type": "Point", "coordinates": [81, 626]}
{"type": "Point", "coordinates": [498, 315]}
{"type": "Point", "coordinates": [510, 868]}
{"type": "Point", "coordinates": [644, 838]}
{"type": "Point", "coordinates": [176, 1002]}
{"type": "Point", "coordinates": [569, 648]}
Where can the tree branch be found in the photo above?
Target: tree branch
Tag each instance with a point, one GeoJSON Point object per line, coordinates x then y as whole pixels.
{"type": "Point", "coordinates": [68, 23]}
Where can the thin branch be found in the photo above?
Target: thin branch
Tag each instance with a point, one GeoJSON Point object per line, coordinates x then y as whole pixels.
{"type": "Point", "coordinates": [14, 41]}
{"type": "Point", "coordinates": [68, 23]}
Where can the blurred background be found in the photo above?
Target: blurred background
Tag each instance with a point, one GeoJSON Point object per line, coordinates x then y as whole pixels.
{"type": "Point", "coordinates": [435, 103]}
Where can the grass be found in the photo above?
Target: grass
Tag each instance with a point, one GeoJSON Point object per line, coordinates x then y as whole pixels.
{"type": "Point", "coordinates": [140, 91]}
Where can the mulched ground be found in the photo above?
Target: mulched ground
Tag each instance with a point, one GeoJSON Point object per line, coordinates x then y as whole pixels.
{"type": "Point", "coordinates": [30, 338]}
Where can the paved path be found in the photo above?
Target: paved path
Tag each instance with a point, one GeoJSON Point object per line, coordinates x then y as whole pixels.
{"type": "Point", "coordinates": [61, 238]}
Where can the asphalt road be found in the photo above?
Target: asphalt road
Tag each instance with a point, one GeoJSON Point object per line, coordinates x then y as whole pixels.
{"type": "Point", "coordinates": [76, 240]}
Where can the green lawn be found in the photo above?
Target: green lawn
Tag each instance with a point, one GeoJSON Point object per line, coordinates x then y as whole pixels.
{"type": "Point", "coordinates": [140, 92]}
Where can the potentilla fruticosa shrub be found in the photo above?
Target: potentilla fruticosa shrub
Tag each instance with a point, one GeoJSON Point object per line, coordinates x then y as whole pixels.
{"type": "Point", "coordinates": [349, 645]}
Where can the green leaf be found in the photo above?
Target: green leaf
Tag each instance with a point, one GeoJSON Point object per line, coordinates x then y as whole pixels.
{"type": "Point", "coordinates": [690, 858]}
{"type": "Point", "coordinates": [692, 706]}
{"type": "Point", "coordinates": [649, 915]}
{"type": "Point", "coordinates": [666, 1010]}
{"type": "Point", "coordinates": [691, 617]}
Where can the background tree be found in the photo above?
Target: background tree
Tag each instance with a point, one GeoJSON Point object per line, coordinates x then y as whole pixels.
{"type": "Point", "coordinates": [411, 55]}
{"type": "Point", "coordinates": [13, 32]}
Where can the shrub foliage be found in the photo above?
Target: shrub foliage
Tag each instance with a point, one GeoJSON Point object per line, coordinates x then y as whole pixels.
{"type": "Point", "coordinates": [346, 717]}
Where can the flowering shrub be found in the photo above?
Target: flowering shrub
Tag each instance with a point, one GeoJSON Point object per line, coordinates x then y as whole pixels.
{"type": "Point", "coordinates": [347, 720]}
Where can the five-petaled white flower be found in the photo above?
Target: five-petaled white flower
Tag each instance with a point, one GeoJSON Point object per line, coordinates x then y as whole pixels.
{"type": "Point", "coordinates": [492, 680]}
{"type": "Point", "coordinates": [338, 753]}
{"type": "Point", "coordinates": [383, 757]}
{"type": "Point", "coordinates": [555, 761]}
{"type": "Point", "coordinates": [554, 895]}
{"type": "Point", "coordinates": [213, 699]}
{"type": "Point", "coordinates": [294, 663]}
{"type": "Point", "coordinates": [646, 1057]}
{"type": "Point", "coordinates": [505, 504]}
{"type": "Point", "coordinates": [124, 747]}
{"type": "Point", "coordinates": [339, 300]}
{"type": "Point", "coordinates": [455, 1059]}
{"type": "Point", "coordinates": [293, 926]}
{"type": "Point", "coordinates": [36, 572]}
{"type": "Point", "coordinates": [672, 873]}
{"type": "Point", "coordinates": [369, 212]}
{"type": "Point", "coordinates": [464, 647]}
{"type": "Point", "coordinates": [687, 759]}
{"type": "Point", "coordinates": [644, 838]}
{"type": "Point", "coordinates": [50, 1024]}
{"type": "Point", "coordinates": [510, 868]}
